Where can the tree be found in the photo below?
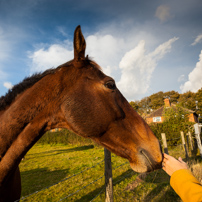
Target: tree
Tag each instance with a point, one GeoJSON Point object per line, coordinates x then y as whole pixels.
{"type": "Point", "coordinates": [187, 100]}
{"type": "Point", "coordinates": [157, 100]}
{"type": "Point", "coordinates": [198, 97]}
{"type": "Point", "coordinates": [135, 105]}
{"type": "Point", "coordinates": [144, 106]}
{"type": "Point", "coordinates": [173, 95]}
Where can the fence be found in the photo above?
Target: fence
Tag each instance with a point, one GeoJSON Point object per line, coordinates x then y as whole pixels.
{"type": "Point", "coordinates": [108, 181]}
{"type": "Point", "coordinates": [188, 143]}
{"type": "Point", "coordinates": [23, 198]}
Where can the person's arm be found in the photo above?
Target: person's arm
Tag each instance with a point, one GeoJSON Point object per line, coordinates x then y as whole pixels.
{"type": "Point", "coordinates": [182, 180]}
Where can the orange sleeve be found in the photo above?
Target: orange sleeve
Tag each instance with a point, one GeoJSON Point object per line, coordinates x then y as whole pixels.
{"type": "Point", "coordinates": [186, 186]}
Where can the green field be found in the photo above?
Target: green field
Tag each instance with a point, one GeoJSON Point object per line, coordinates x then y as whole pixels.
{"type": "Point", "coordinates": [46, 165]}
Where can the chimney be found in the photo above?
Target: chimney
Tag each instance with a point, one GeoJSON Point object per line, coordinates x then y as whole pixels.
{"type": "Point", "coordinates": [167, 102]}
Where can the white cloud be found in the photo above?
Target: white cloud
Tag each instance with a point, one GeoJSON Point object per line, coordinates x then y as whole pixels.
{"type": "Point", "coordinates": [53, 56]}
{"type": "Point", "coordinates": [181, 78]}
{"type": "Point", "coordinates": [133, 69]}
{"type": "Point", "coordinates": [195, 79]}
{"type": "Point", "coordinates": [197, 40]}
{"type": "Point", "coordinates": [105, 50]}
{"type": "Point", "coordinates": [137, 68]}
{"type": "Point", "coordinates": [61, 30]}
{"type": "Point", "coordinates": [8, 85]}
{"type": "Point", "coordinates": [163, 13]}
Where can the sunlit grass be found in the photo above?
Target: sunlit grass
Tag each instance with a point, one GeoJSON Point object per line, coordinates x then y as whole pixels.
{"type": "Point", "coordinates": [45, 165]}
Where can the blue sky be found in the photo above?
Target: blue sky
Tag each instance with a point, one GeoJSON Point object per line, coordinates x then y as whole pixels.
{"type": "Point", "coordinates": [146, 46]}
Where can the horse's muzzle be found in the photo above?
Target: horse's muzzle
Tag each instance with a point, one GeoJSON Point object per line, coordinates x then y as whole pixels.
{"type": "Point", "coordinates": [152, 164]}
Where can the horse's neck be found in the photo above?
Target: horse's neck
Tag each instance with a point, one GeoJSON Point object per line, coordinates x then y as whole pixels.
{"type": "Point", "coordinates": [16, 117]}
{"type": "Point", "coordinates": [27, 119]}
{"type": "Point", "coordinates": [22, 124]}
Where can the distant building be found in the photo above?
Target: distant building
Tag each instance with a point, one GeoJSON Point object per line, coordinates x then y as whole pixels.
{"type": "Point", "coordinates": [55, 129]}
{"type": "Point", "coordinates": [157, 115]}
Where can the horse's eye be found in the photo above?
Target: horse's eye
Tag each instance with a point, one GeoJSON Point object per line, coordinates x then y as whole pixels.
{"type": "Point", "coordinates": [110, 85]}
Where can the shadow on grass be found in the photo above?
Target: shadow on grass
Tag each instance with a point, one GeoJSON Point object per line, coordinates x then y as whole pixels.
{"type": "Point", "coordinates": [154, 193]}
{"type": "Point", "coordinates": [61, 151]}
{"type": "Point", "coordinates": [193, 159]}
{"type": "Point", "coordinates": [168, 195]}
{"type": "Point", "coordinates": [162, 190]}
{"type": "Point", "coordinates": [37, 179]}
{"type": "Point", "coordinates": [94, 193]}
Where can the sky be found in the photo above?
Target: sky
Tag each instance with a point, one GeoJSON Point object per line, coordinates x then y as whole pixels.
{"type": "Point", "coordinates": [146, 46]}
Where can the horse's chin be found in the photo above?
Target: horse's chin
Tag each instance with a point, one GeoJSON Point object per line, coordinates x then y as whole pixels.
{"type": "Point", "coordinates": [144, 163]}
{"type": "Point", "coordinates": [140, 168]}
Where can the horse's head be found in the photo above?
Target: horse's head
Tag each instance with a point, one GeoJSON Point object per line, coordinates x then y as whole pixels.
{"type": "Point", "coordinates": [94, 107]}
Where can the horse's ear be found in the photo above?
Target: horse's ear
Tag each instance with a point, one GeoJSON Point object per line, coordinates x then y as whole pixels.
{"type": "Point", "coordinates": [79, 44]}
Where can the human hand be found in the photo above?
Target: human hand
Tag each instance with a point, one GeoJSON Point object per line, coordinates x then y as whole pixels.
{"type": "Point", "coordinates": [170, 164]}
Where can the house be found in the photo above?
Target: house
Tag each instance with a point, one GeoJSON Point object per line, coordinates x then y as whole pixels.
{"type": "Point", "coordinates": [55, 130]}
{"type": "Point", "coordinates": [157, 115]}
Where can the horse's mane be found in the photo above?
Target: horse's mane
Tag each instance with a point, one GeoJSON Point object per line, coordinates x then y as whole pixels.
{"type": "Point", "coordinates": [30, 81]}
{"type": "Point", "coordinates": [21, 87]}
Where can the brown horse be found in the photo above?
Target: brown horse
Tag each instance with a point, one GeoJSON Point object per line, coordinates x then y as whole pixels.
{"type": "Point", "coordinates": [77, 96]}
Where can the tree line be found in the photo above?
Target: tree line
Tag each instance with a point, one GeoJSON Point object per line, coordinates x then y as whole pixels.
{"type": "Point", "coordinates": [175, 120]}
{"type": "Point", "coordinates": [189, 100]}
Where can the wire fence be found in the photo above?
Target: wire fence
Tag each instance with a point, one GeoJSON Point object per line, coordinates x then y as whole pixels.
{"type": "Point", "coordinates": [102, 189]}
{"type": "Point", "coordinates": [62, 181]}
{"type": "Point", "coordinates": [81, 188]}
{"type": "Point", "coordinates": [188, 144]}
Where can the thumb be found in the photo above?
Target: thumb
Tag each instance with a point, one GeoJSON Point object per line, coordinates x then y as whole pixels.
{"type": "Point", "coordinates": [180, 159]}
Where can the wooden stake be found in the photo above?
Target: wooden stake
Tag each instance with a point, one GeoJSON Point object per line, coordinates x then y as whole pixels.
{"type": "Point", "coordinates": [191, 141]}
{"type": "Point", "coordinates": [197, 128]}
{"type": "Point", "coordinates": [163, 135]}
{"type": "Point", "coordinates": [108, 176]}
{"type": "Point", "coordinates": [184, 145]}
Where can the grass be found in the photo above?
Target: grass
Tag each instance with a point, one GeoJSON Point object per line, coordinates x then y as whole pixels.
{"type": "Point", "coordinates": [45, 165]}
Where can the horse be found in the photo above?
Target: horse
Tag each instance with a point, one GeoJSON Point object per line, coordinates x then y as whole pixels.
{"type": "Point", "coordinates": [77, 96]}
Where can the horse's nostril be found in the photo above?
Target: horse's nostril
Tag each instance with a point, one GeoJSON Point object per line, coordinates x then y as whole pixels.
{"type": "Point", "coordinates": [147, 158]}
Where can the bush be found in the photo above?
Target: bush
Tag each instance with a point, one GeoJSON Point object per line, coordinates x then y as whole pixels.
{"type": "Point", "coordinates": [176, 120]}
{"type": "Point", "coordinates": [172, 131]}
{"type": "Point", "coordinates": [64, 137]}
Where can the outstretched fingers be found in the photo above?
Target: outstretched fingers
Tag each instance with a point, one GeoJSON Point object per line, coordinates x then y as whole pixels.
{"type": "Point", "coordinates": [170, 164]}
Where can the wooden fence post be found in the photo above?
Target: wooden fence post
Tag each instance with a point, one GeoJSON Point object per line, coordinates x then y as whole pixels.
{"type": "Point", "coordinates": [165, 147]}
{"type": "Point", "coordinates": [197, 135]}
{"type": "Point", "coordinates": [184, 144]}
{"type": "Point", "coordinates": [198, 139]}
{"type": "Point", "coordinates": [191, 141]}
{"type": "Point", "coordinates": [187, 138]}
{"type": "Point", "coordinates": [108, 177]}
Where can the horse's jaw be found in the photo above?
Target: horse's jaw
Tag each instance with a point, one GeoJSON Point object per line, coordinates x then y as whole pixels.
{"type": "Point", "coordinates": [145, 163]}
{"type": "Point", "coordinates": [140, 147]}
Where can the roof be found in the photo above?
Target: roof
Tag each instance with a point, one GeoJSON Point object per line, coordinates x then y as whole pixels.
{"type": "Point", "coordinates": [159, 112]}
{"type": "Point", "coordinates": [155, 113]}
